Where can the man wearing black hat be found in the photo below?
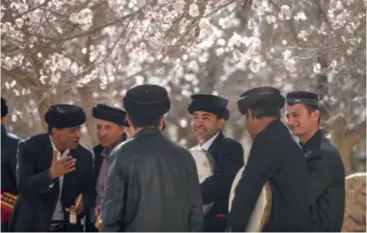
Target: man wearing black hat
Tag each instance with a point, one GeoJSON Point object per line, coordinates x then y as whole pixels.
{"type": "Point", "coordinates": [152, 182]}
{"type": "Point", "coordinates": [9, 144]}
{"type": "Point", "coordinates": [326, 198]}
{"type": "Point", "coordinates": [274, 158]}
{"type": "Point", "coordinates": [111, 125]}
{"type": "Point", "coordinates": [209, 113]}
{"type": "Point", "coordinates": [54, 175]}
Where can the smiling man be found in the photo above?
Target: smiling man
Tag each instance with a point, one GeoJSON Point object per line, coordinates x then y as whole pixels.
{"type": "Point", "coordinates": [111, 126]}
{"type": "Point", "coordinates": [326, 192]}
{"type": "Point", "coordinates": [209, 113]}
{"type": "Point", "coordinates": [53, 169]}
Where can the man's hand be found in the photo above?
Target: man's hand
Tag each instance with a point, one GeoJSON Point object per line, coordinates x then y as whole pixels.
{"type": "Point", "coordinates": [62, 166]}
{"type": "Point", "coordinates": [78, 209]}
{"type": "Point", "coordinates": [97, 210]}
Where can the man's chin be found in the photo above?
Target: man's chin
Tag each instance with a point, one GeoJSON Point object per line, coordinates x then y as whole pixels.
{"type": "Point", "coordinates": [104, 145]}
{"type": "Point", "coordinates": [74, 145]}
{"type": "Point", "coordinates": [296, 132]}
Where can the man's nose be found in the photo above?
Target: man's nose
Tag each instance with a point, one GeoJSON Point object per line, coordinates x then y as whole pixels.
{"type": "Point", "coordinates": [290, 121]}
{"type": "Point", "coordinates": [78, 134]}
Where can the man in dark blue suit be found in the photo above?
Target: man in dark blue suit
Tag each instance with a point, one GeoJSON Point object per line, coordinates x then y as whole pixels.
{"type": "Point", "coordinates": [9, 144]}
{"type": "Point", "coordinates": [326, 178]}
{"type": "Point", "coordinates": [53, 170]}
{"type": "Point", "coordinates": [209, 114]}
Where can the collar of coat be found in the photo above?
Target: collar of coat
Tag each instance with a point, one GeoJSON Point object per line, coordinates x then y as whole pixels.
{"type": "Point", "coordinates": [147, 131]}
{"type": "Point", "coordinates": [216, 143]}
{"type": "Point", "coordinates": [314, 142]}
{"type": "Point", "coordinates": [3, 131]}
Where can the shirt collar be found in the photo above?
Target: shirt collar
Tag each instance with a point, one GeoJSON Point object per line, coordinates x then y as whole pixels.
{"type": "Point", "coordinates": [66, 152]}
{"type": "Point", "coordinates": [313, 142]}
{"type": "Point", "coordinates": [105, 153]}
{"type": "Point", "coordinates": [208, 143]}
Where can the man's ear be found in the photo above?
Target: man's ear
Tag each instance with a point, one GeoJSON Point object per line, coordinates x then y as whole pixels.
{"type": "Point", "coordinates": [129, 120]}
{"type": "Point", "coordinates": [221, 122]}
{"type": "Point", "coordinates": [250, 114]}
{"type": "Point", "coordinates": [54, 131]}
{"type": "Point", "coordinates": [161, 122]}
{"type": "Point", "coordinates": [315, 115]}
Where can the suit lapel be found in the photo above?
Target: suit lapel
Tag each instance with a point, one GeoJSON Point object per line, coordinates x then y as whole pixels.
{"type": "Point", "coordinates": [215, 145]}
{"type": "Point", "coordinates": [70, 177]}
{"type": "Point", "coordinates": [46, 152]}
{"type": "Point", "coordinates": [98, 161]}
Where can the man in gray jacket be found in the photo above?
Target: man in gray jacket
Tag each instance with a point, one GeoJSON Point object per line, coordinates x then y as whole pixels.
{"type": "Point", "coordinates": [152, 182]}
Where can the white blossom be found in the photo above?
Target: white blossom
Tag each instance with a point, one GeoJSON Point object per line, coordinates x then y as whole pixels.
{"type": "Point", "coordinates": [74, 68]}
{"type": "Point", "coordinates": [255, 65]}
{"type": "Point", "coordinates": [300, 16]}
{"type": "Point", "coordinates": [289, 64]}
{"type": "Point", "coordinates": [194, 10]}
{"type": "Point", "coordinates": [285, 12]}
{"type": "Point", "coordinates": [303, 34]}
{"type": "Point", "coordinates": [317, 68]}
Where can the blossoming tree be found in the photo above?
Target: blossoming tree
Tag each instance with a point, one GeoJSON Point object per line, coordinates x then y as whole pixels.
{"type": "Point", "coordinates": [88, 51]}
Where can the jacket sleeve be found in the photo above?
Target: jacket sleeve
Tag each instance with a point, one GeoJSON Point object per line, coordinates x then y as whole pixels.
{"type": "Point", "coordinates": [230, 160]}
{"type": "Point", "coordinates": [27, 181]}
{"type": "Point", "coordinates": [196, 217]}
{"type": "Point", "coordinates": [319, 175]}
{"type": "Point", "coordinates": [13, 161]}
{"type": "Point", "coordinates": [257, 171]}
{"type": "Point", "coordinates": [88, 191]}
{"type": "Point", "coordinates": [113, 201]}
{"type": "Point", "coordinates": [322, 210]}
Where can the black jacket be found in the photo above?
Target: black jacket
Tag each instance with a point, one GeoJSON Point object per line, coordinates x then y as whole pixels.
{"type": "Point", "coordinates": [9, 144]}
{"type": "Point", "coordinates": [152, 186]}
{"type": "Point", "coordinates": [36, 201]}
{"type": "Point", "coordinates": [326, 184]}
{"type": "Point", "coordinates": [275, 158]}
{"type": "Point", "coordinates": [228, 155]}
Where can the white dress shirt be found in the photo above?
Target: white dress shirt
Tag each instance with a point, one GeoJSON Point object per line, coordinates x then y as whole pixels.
{"type": "Point", "coordinates": [207, 144]}
{"type": "Point", "coordinates": [58, 213]}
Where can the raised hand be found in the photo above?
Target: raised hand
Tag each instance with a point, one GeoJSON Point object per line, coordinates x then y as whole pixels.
{"type": "Point", "coordinates": [62, 166]}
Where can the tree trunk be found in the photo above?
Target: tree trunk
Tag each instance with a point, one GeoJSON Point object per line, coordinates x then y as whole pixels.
{"type": "Point", "coordinates": [88, 103]}
{"type": "Point", "coordinates": [345, 139]}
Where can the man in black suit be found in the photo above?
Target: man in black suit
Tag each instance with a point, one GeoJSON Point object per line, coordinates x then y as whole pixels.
{"type": "Point", "coordinates": [209, 114]}
{"type": "Point", "coordinates": [111, 126]}
{"type": "Point", "coordinates": [152, 182]}
{"type": "Point", "coordinates": [274, 158]}
{"type": "Point", "coordinates": [326, 189]}
{"type": "Point", "coordinates": [53, 169]}
{"type": "Point", "coordinates": [9, 144]}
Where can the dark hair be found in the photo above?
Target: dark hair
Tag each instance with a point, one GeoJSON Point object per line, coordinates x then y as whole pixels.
{"type": "Point", "coordinates": [264, 111]}
{"type": "Point", "coordinates": [140, 121]}
{"type": "Point", "coordinates": [49, 129]}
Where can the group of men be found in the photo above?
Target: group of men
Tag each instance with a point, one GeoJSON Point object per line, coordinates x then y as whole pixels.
{"type": "Point", "coordinates": [140, 180]}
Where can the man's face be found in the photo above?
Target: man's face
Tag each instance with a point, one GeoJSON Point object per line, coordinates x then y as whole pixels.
{"type": "Point", "coordinates": [68, 137]}
{"type": "Point", "coordinates": [109, 134]}
{"type": "Point", "coordinates": [205, 125]}
{"type": "Point", "coordinates": [300, 120]}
